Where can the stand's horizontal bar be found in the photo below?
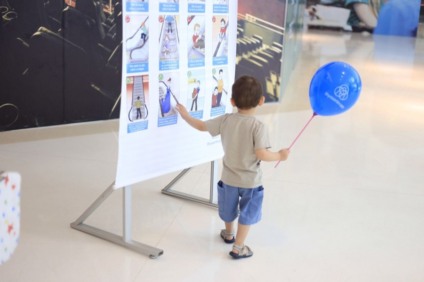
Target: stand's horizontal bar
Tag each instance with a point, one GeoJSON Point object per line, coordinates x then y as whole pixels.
{"type": "Point", "coordinates": [186, 196]}
{"type": "Point", "coordinates": [143, 249]}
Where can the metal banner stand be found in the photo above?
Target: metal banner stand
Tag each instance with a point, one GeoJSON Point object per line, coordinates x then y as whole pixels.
{"type": "Point", "coordinates": [213, 186]}
{"type": "Point", "coordinates": [124, 240]}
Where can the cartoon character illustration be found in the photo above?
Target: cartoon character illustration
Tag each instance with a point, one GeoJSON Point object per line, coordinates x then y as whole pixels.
{"type": "Point", "coordinates": [215, 97]}
{"type": "Point", "coordinates": [195, 95]}
{"type": "Point", "coordinates": [169, 25]}
{"type": "Point", "coordinates": [138, 104]}
{"type": "Point", "coordinates": [222, 39]}
{"type": "Point", "coordinates": [165, 97]}
{"type": "Point", "coordinates": [198, 38]}
{"type": "Point", "coordinates": [219, 87]}
{"type": "Point", "coordinates": [223, 30]}
{"type": "Point", "coordinates": [166, 47]}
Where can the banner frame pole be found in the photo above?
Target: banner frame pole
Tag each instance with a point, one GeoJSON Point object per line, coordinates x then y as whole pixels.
{"type": "Point", "coordinates": [124, 240]}
{"type": "Point", "coordinates": [212, 201]}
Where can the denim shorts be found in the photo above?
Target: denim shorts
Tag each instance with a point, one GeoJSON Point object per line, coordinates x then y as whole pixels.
{"type": "Point", "coordinates": [243, 202]}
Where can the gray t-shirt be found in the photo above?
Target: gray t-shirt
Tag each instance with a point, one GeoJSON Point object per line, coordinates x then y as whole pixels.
{"type": "Point", "coordinates": [241, 135]}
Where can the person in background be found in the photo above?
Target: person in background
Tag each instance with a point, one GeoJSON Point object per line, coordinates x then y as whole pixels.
{"type": "Point", "coordinates": [398, 18]}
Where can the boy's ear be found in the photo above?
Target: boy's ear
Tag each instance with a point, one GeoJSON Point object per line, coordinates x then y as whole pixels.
{"type": "Point", "coordinates": [233, 103]}
{"type": "Point", "coordinates": [262, 101]}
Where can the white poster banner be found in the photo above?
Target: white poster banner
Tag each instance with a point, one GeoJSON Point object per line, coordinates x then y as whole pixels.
{"type": "Point", "coordinates": [173, 52]}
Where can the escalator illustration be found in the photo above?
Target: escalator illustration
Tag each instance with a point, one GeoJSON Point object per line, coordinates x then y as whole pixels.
{"type": "Point", "coordinates": [135, 44]}
{"type": "Point", "coordinates": [169, 39]}
{"type": "Point", "coordinates": [138, 104]}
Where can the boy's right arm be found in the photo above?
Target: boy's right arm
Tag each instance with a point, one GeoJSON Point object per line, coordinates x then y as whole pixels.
{"type": "Point", "coordinates": [193, 122]}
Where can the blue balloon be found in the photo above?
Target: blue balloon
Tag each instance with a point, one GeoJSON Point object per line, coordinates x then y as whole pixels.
{"type": "Point", "coordinates": [334, 89]}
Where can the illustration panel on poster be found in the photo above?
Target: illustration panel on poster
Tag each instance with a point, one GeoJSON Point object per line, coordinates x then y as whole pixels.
{"type": "Point", "coordinates": [137, 102]}
{"type": "Point", "coordinates": [220, 40]}
{"type": "Point", "coordinates": [168, 98]}
{"type": "Point", "coordinates": [136, 45]}
{"type": "Point", "coordinates": [196, 41]}
{"type": "Point", "coordinates": [196, 92]}
{"type": "Point", "coordinates": [220, 95]}
{"type": "Point", "coordinates": [169, 42]}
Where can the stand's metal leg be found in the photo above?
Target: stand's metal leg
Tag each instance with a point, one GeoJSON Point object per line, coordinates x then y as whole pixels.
{"type": "Point", "coordinates": [213, 196]}
{"type": "Point", "coordinates": [94, 206]}
{"type": "Point", "coordinates": [125, 240]}
{"type": "Point", "coordinates": [127, 213]}
{"type": "Point", "coordinates": [213, 188]}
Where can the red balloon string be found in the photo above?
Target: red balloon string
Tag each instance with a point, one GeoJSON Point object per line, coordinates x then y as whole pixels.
{"type": "Point", "coordinates": [298, 135]}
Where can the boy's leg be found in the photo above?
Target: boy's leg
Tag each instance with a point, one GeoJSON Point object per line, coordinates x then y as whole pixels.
{"type": "Point", "coordinates": [229, 227]}
{"type": "Point", "coordinates": [240, 250]}
{"type": "Point", "coordinates": [250, 213]}
{"type": "Point", "coordinates": [228, 210]}
{"type": "Point", "coordinates": [228, 234]}
{"type": "Point", "coordinates": [242, 232]}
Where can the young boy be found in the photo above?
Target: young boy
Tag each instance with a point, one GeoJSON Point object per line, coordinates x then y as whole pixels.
{"type": "Point", "coordinates": [245, 142]}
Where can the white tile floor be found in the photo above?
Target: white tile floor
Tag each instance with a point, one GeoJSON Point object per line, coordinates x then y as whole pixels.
{"type": "Point", "coordinates": [347, 206]}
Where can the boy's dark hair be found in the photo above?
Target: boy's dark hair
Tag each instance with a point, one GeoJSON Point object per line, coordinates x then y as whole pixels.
{"type": "Point", "coordinates": [246, 92]}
